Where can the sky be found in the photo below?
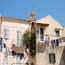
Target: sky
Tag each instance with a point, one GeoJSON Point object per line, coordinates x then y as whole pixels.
{"type": "Point", "coordinates": [21, 9]}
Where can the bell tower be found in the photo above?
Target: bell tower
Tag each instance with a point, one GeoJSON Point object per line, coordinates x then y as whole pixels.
{"type": "Point", "coordinates": [33, 21]}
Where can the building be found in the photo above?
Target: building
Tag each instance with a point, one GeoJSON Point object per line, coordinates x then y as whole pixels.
{"type": "Point", "coordinates": [54, 30]}
{"type": "Point", "coordinates": [47, 29]}
{"type": "Point", "coordinates": [56, 33]}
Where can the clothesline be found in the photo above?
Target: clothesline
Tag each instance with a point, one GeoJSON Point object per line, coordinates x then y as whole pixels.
{"type": "Point", "coordinates": [58, 41]}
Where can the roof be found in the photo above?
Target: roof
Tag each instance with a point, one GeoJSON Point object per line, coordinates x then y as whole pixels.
{"type": "Point", "coordinates": [50, 20]}
{"type": "Point", "coordinates": [18, 20]}
{"type": "Point", "coordinates": [44, 21]}
{"type": "Point", "coordinates": [13, 20]}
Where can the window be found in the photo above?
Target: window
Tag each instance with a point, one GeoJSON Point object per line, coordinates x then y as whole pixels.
{"type": "Point", "coordinates": [6, 33]}
{"type": "Point", "coordinates": [5, 54]}
{"type": "Point", "coordinates": [41, 34]}
{"type": "Point", "coordinates": [52, 58]}
{"type": "Point", "coordinates": [19, 36]}
{"type": "Point", "coordinates": [57, 32]}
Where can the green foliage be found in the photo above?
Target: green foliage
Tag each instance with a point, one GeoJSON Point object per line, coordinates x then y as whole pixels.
{"type": "Point", "coordinates": [32, 46]}
{"type": "Point", "coordinates": [26, 38]}
{"type": "Point", "coordinates": [29, 39]}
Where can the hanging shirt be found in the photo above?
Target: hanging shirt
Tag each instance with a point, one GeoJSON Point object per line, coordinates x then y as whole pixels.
{"type": "Point", "coordinates": [47, 40]}
{"type": "Point", "coordinates": [57, 42]}
{"type": "Point", "coordinates": [53, 43]}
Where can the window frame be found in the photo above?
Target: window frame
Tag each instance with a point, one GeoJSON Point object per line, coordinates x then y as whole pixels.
{"type": "Point", "coordinates": [41, 34]}
{"type": "Point", "coordinates": [6, 33]}
{"type": "Point", "coordinates": [52, 58]}
{"type": "Point", "coordinates": [19, 38]}
{"type": "Point", "coordinates": [57, 32]}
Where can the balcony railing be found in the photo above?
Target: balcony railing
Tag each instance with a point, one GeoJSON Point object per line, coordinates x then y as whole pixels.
{"type": "Point", "coordinates": [41, 45]}
{"type": "Point", "coordinates": [18, 49]}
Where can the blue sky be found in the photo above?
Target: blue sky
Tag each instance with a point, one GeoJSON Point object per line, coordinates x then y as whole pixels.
{"type": "Point", "coordinates": [22, 9]}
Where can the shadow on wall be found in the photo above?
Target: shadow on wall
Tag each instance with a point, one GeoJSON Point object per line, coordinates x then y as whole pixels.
{"type": "Point", "coordinates": [62, 61]}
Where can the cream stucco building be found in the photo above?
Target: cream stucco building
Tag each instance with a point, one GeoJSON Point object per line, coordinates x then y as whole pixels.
{"type": "Point", "coordinates": [12, 30]}
{"type": "Point", "coordinates": [55, 31]}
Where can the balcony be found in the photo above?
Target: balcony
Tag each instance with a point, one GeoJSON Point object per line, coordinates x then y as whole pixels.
{"type": "Point", "coordinates": [17, 51]}
{"type": "Point", "coordinates": [41, 46]}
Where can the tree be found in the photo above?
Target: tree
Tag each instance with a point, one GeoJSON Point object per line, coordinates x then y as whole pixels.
{"type": "Point", "coordinates": [26, 38]}
{"type": "Point", "coordinates": [29, 39]}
